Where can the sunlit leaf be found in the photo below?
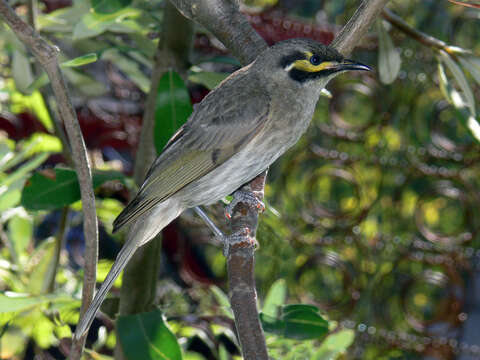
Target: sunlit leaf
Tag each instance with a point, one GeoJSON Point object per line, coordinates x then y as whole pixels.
{"type": "Point", "coordinates": [146, 336]}
{"type": "Point", "coordinates": [460, 79]}
{"type": "Point", "coordinates": [20, 229]}
{"type": "Point", "coordinates": [335, 345]}
{"type": "Point", "coordinates": [42, 143]}
{"type": "Point", "coordinates": [81, 60]}
{"type": "Point", "coordinates": [173, 108]}
{"type": "Point", "coordinates": [275, 298]}
{"type": "Point", "coordinates": [389, 61]}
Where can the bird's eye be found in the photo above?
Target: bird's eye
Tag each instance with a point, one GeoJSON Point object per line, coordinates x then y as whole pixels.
{"type": "Point", "coordinates": [315, 60]}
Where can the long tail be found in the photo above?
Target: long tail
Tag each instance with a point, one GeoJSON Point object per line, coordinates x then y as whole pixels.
{"type": "Point", "coordinates": [142, 231]}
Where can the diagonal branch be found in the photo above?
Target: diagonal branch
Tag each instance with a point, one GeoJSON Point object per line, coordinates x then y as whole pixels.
{"type": "Point", "coordinates": [351, 34]}
{"type": "Point", "coordinates": [46, 55]}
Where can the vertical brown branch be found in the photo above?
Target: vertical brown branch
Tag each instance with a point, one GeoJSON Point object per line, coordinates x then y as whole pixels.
{"type": "Point", "coordinates": [46, 55]}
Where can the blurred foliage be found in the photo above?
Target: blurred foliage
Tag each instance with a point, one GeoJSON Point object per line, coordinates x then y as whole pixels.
{"type": "Point", "coordinates": [369, 242]}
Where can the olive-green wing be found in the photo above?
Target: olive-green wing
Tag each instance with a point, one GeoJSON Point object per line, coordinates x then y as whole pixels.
{"type": "Point", "coordinates": [223, 123]}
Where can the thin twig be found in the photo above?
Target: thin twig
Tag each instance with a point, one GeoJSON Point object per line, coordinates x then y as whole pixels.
{"type": "Point", "coordinates": [47, 55]}
{"type": "Point", "coordinates": [419, 36]}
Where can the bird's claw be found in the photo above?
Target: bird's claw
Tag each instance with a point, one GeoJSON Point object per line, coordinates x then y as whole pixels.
{"type": "Point", "coordinates": [237, 240]}
{"type": "Point", "coordinates": [252, 198]}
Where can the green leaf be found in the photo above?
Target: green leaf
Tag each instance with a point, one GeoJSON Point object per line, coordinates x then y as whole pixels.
{"type": "Point", "coordinates": [389, 61]}
{"type": "Point", "coordinates": [43, 79]}
{"type": "Point", "coordinates": [21, 71]}
{"type": "Point", "coordinates": [275, 298]}
{"type": "Point", "coordinates": [297, 321]}
{"type": "Point", "coordinates": [94, 23]}
{"type": "Point", "coordinates": [42, 143]}
{"type": "Point", "coordinates": [109, 6]}
{"type": "Point", "coordinates": [296, 307]}
{"type": "Point", "coordinates": [335, 345]}
{"type": "Point", "coordinates": [42, 271]}
{"type": "Point", "coordinates": [20, 229]}
{"type": "Point", "coordinates": [146, 336]}
{"type": "Point", "coordinates": [172, 110]}
{"type": "Point", "coordinates": [81, 60]}
{"type": "Point", "coordinates": [304, 324]}
{"type": "Point", "coordinates": [208, 79]}
{"type": "Point", "coordinates": [460, 79]}
{"type": "Point", "coordinates": [223, 301]}
{"type": "Point", "coordinates": [472, 64]}
{"type": "Point", "coordinates": [272, 324]}
{"type": "Point", "coordinates": [454, 98]}
{"type": "Point", "coordinates": [59, 187]}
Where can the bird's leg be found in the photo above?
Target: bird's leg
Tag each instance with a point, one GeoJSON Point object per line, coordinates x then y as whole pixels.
{"type": "Point", "coordinates": [238, 239]}
{"type": "Point", "coordinates": [252, 198]}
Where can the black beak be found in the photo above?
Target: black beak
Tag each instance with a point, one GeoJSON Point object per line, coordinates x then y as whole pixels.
{"type": "Point", "coordinates": [348, 64]}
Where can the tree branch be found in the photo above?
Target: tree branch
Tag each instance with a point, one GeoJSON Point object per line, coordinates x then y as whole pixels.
{"type": "Point", "coordinates": [351, 34]}
{"type": "Point", "coordinates": [46, 55]}
{"type": "Point", "coordinates": [419, 36]}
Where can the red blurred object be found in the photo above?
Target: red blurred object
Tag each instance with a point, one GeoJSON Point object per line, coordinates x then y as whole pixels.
{"type": "Point", "coordinates": [189, 263]}
{"type": "Point", "coordinates": [275, 26]}
{"type": "Point", "coordinates": [20, 126]}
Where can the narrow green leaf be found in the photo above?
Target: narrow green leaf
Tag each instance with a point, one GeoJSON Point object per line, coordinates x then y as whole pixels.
{"type": "Point", "coordinates": [223, 301]}
{"type": "Point", "coordinates": [472, 64]}
{"type": "Point", "coordinates": [81, 60]}
{"type": "Point", "coordinates": [335, 345]}
{"type": "Point", "coordinates": [208, 79]}
{"type": "Point", "coordinates": [276, 297]}
{"type": "Point", "coordinates": [20, 229]}
{"type": "Point", "coordinates": [19, 302]}
{"type": "Point", "coordinates": [21, 71]}
{"type": "Point", "coordinates": [146, 336]}
{"type": "Point", "coordinates": [38, 280]}
{"type": "Point", "coordinates": [130, 67]}
{"type": "Point", "coordinates": [42, 143]}
{"type": "Point", "coordinates": [389, 61]}
{"type": "Point", "coordinates": [172, 110]}
{"type": "Point", "coordinates": [25, 169]}
{"type": "Point", "coordinates": [460, 79]}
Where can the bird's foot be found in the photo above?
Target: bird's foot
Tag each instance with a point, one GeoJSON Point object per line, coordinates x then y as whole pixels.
{"type": "Point", "coordinates": [238, 240]}
{"type": "Point", "coordinates": [252, 198]}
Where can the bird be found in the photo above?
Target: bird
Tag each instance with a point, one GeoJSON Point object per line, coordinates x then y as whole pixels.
{"type": "Point", "coordinates": [234, 134]}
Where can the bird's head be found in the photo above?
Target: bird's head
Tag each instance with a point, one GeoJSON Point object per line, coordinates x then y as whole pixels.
{"type": "Point", "coordinates": [305, 63]}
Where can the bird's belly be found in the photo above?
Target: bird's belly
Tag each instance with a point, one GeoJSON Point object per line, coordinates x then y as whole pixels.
{"type": "Point", "coordinates": [249, 162]}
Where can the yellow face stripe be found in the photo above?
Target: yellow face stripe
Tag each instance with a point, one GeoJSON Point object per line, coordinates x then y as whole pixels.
{"type": "Point", "coordinates": [306, 65]}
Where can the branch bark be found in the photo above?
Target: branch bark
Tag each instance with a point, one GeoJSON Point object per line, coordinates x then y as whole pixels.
{"type": "Point", "coordinates": [46, 55]}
